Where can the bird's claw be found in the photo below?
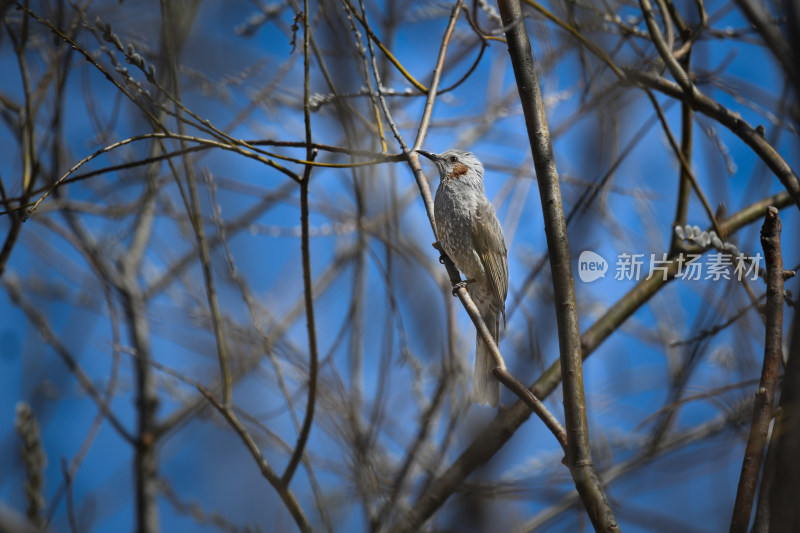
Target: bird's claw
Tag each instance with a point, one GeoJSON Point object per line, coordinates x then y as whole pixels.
{"type": "Point", "coordinates": [441, 252]}
{"type": "Point", "coordinates": [461, 285]}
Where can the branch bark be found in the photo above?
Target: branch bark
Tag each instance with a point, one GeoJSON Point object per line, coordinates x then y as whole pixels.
{"type": "Point", "coordinates": [778, 511]}
{"type": "Point", "coordinates": [762, 408]}
{"type": "Point", "coordinates": [579, 456]}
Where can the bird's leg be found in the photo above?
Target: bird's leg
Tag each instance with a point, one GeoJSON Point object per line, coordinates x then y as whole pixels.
{"type": "Point", "coordinates": [441, 251]}
{"type": "Point", "coordinates": [452, 271]}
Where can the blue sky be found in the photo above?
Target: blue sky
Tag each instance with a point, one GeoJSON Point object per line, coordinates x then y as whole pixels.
{"type": "Point", "coordinates": [626, 378]}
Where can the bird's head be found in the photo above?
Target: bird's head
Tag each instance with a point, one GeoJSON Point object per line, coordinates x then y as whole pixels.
{"type": "Point", "coordinates": [455, 164]}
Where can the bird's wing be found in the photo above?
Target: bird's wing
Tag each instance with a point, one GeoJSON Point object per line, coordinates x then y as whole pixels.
{"type": "Point", "coordinates": [487, 238]}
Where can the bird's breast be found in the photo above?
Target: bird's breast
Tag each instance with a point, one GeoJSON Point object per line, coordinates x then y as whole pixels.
{"type": "Point", "coordinates": [454, 210]}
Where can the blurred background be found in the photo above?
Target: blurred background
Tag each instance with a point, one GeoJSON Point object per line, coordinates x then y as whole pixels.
{"type": "Point", "coordinates": [169, 139]}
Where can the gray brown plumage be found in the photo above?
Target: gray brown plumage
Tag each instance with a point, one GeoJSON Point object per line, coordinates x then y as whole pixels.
{"type": "Point", "coordinates": [470, 234]}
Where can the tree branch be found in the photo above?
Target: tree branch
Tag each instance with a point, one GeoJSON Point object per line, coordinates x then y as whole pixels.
{"type": "Point", "coordinates": [765, 395]}
{"type": "Point", "coordinates": [579, 456]}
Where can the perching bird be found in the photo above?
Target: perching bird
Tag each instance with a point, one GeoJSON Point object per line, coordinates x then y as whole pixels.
{"type": "Point", "coordinates": [471, 236]}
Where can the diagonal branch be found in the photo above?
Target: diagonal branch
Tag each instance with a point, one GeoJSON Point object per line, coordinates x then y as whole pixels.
{"type": "Point", "coordinates": [269, 474]}
{"type": "Point", "coordinates": [503, 427]}
{"type": "Point", "coordinates": [731, 120]}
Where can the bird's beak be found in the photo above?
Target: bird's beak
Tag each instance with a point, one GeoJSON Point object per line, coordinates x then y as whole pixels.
{"type": "Point", "coordinates": [433, 157]}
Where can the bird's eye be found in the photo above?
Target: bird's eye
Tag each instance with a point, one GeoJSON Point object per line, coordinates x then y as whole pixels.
{"type": "Point", "coordinates": [453, 159]}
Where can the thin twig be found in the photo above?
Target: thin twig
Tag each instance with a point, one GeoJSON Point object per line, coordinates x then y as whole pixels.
{"type": "Point", "coordinates": [682, 202]}
{"type": "Point", "coordinates": [425, 121]}
{"type": "Point", "coordinates": [665, 50]}
{"type": "Point", "coordinates": [269, 474]}
{"type": "Point", "coordinates": [733, 121]}
{"type": "Point", "coordinates": [686, 170]}
{"type": "Point", "coordinates": [534, 403]}
{"type": "Point", "coordinates": [73, 523]}
{"type": "Point", "coordinates": [313, 366]}
{"type": "Point", "coordinates": [38, 320]}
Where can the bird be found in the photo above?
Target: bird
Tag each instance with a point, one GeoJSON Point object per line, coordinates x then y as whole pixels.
{"type": "Point", "coordinates": [470, 234]}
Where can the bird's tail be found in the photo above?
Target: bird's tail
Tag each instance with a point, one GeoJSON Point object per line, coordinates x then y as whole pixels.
{"type": "Point", "coordinates": [485, 387]}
